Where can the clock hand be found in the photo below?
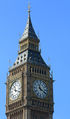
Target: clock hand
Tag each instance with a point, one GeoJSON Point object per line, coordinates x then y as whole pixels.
{"type": "Point", "coordinates": [41, 89]}
{"type": "Point", "coordinates": [17, 90]}
{"type": "Point", "coordinates": [44, 92]}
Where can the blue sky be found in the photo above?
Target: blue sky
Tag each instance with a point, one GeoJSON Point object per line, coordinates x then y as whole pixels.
{"type": "Point", "coordinates": [51, 19]}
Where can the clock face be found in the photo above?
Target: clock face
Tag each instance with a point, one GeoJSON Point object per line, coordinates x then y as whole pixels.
{"type": "Point", "coordinates": [40, 89]}
{"type": "Point", "coordinates": [15, 90]}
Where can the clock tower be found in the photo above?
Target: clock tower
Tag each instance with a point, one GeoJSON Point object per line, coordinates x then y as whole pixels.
{"type": "Point", "coordinates": [29, 86]}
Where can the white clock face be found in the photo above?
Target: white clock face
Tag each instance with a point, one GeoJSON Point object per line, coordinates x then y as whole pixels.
{"type": "Point", "coordinates": [40, 89]}
{"type": "Point", "coordinates": [15, 90]}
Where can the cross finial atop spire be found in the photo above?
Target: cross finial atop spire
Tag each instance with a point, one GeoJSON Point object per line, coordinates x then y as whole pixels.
{"type": "Point", "coordinates": [29, 8]}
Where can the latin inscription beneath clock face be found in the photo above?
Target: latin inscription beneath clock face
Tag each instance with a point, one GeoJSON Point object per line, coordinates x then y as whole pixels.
{"type": "Point", "coordinates": [40, 89]}
{"type": "Point", "coordinates": [15, 90]}
{"type": "Point", "coordinates": [40, 104]}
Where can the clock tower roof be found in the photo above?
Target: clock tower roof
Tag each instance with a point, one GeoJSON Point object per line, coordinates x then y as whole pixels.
{"type": "Point", "coordinates": [29, 31]}
{"type": "Point", "coordinates": [29, 48]}
{"type": "Point", "coordinates": [30, 57]}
